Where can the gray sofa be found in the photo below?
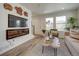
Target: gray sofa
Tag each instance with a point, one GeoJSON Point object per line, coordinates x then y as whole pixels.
{"type": "Point", "coordinates": [73, 45]}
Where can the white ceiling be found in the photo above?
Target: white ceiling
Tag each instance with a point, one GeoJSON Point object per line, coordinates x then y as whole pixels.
{"type": "Point", "coordinates": [44, 8]}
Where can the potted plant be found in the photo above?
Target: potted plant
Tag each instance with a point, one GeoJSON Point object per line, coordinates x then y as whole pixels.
{"type": "Point", "coordinates": [71, 23]}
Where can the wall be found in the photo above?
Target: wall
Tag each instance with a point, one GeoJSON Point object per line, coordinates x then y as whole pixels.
{"type": "Point", "coordinates": [78, 15]}
{"type": "Point", "coordinates": [4, 25]}
{"type": "Point", "coordinates": [39, 20]}
{"type": "Point", "coordinates": [39, 23]}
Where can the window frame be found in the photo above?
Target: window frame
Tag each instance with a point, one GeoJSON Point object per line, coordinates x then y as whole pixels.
{"type": "Point", "coordinates": [49, 24]}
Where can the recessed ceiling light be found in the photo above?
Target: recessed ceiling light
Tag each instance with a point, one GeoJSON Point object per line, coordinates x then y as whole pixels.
{"type": "Point", "coordinates": [63, 8]}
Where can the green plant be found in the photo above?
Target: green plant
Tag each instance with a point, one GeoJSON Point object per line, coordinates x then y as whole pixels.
{"type": "Point", "coordinates": [71, 23]}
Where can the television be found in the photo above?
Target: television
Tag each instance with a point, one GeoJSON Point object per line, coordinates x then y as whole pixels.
{"type": "Point", "coordinates": [15, 21]}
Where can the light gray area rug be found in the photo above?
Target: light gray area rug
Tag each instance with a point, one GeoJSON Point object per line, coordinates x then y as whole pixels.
{"type": "Point", "coordinates": [48, 51]}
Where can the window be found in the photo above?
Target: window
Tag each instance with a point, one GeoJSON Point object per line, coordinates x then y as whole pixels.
{"type": "Point", "coordinates": [49, 23]}
{"type": "Point", "coordinates": [60, 23]}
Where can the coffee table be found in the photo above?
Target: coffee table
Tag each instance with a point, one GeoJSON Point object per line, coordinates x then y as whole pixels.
{"type": "Point", "coordinates": [50, 43]}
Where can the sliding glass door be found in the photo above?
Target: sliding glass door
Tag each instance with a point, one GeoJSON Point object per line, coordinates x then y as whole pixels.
{"type": "Point", "coordinates": [58, 23]}
{"type": "Point", "coordinates": [61, 23]}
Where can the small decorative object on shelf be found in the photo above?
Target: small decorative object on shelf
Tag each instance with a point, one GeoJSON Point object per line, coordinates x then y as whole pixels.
{"type": "Point", "coordinates": [8, 6]}
{"type": "Point", "coordinates": [25, 13]}
{"type": "Point", "coordinates": [19, 10]}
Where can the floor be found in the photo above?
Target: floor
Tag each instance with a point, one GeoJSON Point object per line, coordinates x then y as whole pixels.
{"type": "Point", "coordinates": [37, 50]}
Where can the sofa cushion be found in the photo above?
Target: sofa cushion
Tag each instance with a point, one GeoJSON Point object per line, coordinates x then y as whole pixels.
{"type": "Point", "coordinates": [74, 34]}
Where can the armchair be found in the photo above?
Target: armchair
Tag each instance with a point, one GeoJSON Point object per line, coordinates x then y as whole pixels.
{"type": "Point", "coordinates": [54, 32]}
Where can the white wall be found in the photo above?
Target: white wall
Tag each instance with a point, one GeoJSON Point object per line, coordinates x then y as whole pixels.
{"type": "Point", "coordinates": [78, 15]}
{"type": "Point", "coordinates": [4, 25]}
{"type": "Point", "coordinates": [39, 23]}
{"type": "Point", "coordinates": [39, 20]}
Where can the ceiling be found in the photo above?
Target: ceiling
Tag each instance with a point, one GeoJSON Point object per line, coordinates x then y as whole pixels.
{"type": "Point", "coordinates": [44, 8]}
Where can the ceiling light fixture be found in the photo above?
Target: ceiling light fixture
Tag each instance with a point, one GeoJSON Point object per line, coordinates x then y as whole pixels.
{"type": "Point", "coordinates": [63, 8]}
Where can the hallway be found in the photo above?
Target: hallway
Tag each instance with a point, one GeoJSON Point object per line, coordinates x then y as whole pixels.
{"type": "Point", "coordinates": [48, 51]}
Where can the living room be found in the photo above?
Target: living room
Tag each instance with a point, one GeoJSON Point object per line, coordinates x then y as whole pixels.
{"type": "Point", "coordinates": [22, 25]}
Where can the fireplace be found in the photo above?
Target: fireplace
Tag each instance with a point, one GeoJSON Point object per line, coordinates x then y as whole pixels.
{"type": "Point", "coordinates": [13, 33]}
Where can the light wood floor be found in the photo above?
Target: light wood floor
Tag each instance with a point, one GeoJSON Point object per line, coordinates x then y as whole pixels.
{"type": "Point", "coordinates": [37, 50]}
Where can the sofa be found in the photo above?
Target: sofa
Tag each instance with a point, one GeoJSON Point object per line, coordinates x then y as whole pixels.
{"type": "Point", "coordinates": [72, 42]}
